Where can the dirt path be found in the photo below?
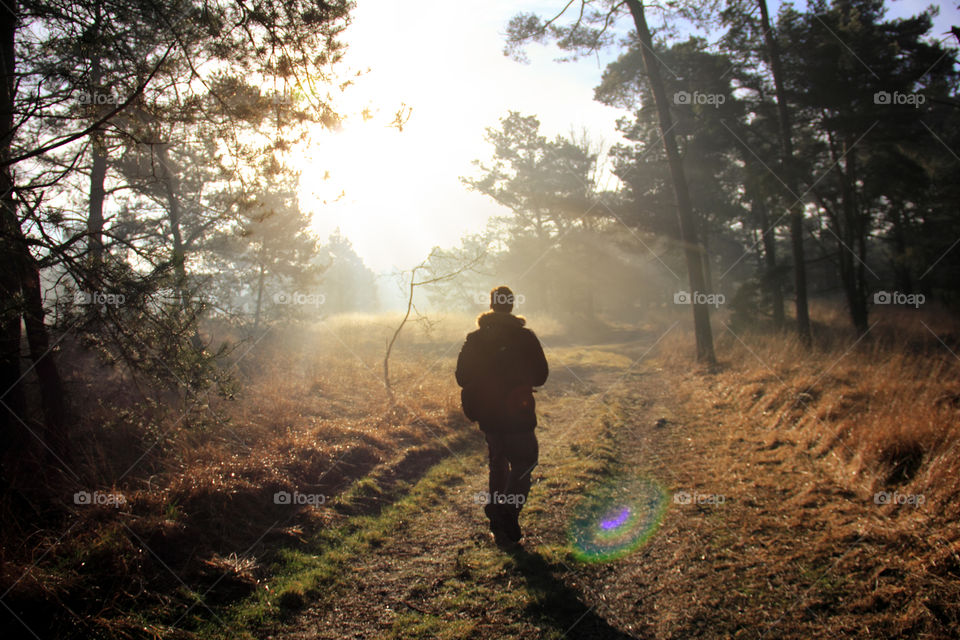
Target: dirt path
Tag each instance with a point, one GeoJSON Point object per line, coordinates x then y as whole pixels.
{"type": "Point", "coordinates": [757, 542]}
{"type": "Point", "coordinates": [439, 575]}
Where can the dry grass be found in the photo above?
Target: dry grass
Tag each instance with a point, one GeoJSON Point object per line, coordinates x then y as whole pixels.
{"type": "Point", "coordinates": [851, 424]}
{"type": "Point", "coordinates": [802, 442]}
{"type": "Point", "coordinates": [307, 413]}
{"type": "Point", "coordinates": [883, 409]}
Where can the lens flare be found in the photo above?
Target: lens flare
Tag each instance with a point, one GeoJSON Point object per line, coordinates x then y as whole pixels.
{"type": "Point", "coordinates": [606, 525]}
{"type": "Point", "coordinates": [617, 519]}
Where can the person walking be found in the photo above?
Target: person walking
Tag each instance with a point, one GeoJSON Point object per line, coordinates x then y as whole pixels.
{"type": "Point", "coordinates": [498, 367]}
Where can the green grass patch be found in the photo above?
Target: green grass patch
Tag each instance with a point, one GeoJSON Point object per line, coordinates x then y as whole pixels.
{"type": "Point", "coordinates": [316, 572]}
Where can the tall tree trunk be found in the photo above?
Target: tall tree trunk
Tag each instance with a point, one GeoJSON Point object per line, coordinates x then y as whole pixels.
{"type": "Point", "coordinates": [11, 310]}
{"type": "Point", "coordinates": [11, 392]}
{"type": "Point", "coordinates": [539, 275]}
{"type": "Point", "coordinates": [707, 269]}
{"type": "Point", "coordinates": [171, 185]}
{"type": "Point", "coordinates": [98, 174]}
{"type": "Point", "coordinates": [52, 395]}
{"type": "Point", "coordinates": [95, 266]}
{"type": "Point", "coordinates": [855, 243]}
{"type": "Point", "coordinates": [256, 317]}
{"type": "Point", "coordinates": [20, 282]}
{"type": "Point", "coordinates": [693, 250]}
{"type": "Point", "coordinates": [772, 279]}
{"type": "Point", "coordinates": [901, 265]}
{"type": "Point", "coordinates": [789, 178]}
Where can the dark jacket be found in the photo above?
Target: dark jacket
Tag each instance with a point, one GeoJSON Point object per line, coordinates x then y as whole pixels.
{"type": "Point", "coordinates": [498, 367]}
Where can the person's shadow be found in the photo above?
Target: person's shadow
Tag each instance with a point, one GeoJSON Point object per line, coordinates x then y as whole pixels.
{"type": "Point", "coordinates": [557, 604]}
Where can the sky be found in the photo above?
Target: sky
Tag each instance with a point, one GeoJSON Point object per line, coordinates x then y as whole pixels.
{"type": "Point", "coordinates": [396, 194]}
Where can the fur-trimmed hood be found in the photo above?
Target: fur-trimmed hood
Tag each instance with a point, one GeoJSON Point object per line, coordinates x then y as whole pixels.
{"type": "Point", "coordinates": [500, 318]}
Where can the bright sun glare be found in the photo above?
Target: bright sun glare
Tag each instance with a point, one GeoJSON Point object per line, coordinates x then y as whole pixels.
{"type": "Point", "coordinates": [396, 194]}
{"type": "Point", "coordinates": [377, 184]}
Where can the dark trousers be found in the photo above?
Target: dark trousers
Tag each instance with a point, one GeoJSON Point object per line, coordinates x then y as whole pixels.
{"type": "Point", "coordinates": [513, 455]}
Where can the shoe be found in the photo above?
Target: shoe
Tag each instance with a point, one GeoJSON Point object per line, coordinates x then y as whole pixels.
{"type": "Point", "coordinates": [499, 526]}
{"type": "Point", "coordinates": [503, 541]}
{"type": "Point", "coordinates": [511, 522]}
